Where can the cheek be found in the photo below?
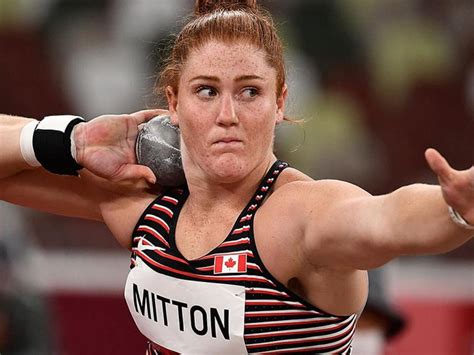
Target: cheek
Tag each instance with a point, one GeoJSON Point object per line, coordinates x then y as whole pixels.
{"type": "Point", "coordinates": [195, 133]}
{"type": "Point", "coordinates": [192, 134]}
{"type": "Point", "coordinates": [260, 136]}
{"type": "Point", "coordinates": [190, 118]}
{"type": "Point", "coordinates": [262, 118]}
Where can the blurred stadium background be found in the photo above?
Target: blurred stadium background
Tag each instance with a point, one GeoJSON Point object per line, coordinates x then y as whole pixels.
{"type": "Point", "coordinates": [376, 81]}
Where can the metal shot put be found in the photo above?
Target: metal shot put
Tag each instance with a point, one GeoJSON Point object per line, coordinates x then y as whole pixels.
{"type": "Point", "coordinates": [157, 147]}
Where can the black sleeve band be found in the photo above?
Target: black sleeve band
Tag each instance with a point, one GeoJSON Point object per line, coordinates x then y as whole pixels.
{"type": "Point", "coordinates": [52, 144]}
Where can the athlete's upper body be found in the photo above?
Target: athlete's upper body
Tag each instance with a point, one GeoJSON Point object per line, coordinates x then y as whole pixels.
{"type": "Point", "coordinates": [225, 87]}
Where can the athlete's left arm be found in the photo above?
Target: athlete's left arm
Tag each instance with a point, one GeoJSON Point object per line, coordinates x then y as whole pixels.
{"type": "Point", "coordinates": [347, 227]}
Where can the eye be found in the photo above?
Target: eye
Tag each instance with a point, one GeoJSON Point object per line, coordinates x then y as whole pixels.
{"type": "Point", "coordinates": [249, 93]}
{"type": "Point", "coordinates": [206, 92]}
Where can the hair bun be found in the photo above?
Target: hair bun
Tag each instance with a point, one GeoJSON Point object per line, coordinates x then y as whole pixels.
{"type": "Point", "coordinates": [203, 7]}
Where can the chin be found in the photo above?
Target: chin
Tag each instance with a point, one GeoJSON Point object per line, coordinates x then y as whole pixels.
{"type": "Point", "coordinates": [229, 168]}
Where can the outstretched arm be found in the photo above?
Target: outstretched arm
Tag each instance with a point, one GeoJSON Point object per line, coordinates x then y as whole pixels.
{"type": "Point", "coordinates": [355, 230]}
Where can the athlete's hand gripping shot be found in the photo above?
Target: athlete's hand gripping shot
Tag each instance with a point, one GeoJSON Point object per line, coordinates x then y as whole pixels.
{"type": "Point", "coordinates": [247, 255]}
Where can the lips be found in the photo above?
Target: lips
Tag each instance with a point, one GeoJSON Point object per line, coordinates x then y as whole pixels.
{"type": "Point", "coordinates": [228, 143]}
{"type": "Point", "coordinates": [228, 140]}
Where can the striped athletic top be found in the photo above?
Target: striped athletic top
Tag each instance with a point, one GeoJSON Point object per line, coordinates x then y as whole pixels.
{"type": "Point", "coordinates": [275, 319]}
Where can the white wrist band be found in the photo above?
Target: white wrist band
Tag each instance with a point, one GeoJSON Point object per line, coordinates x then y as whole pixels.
{"type": "Point", "coordinates": [73, 145]}
{"type": "Point", "coordinates": [458, 219]}
{"type": "Point", "coordinates": [26, 143]}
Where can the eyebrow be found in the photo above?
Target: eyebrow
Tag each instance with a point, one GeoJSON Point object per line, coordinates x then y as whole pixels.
{"type": "Point", "coordinates": [216, 79]}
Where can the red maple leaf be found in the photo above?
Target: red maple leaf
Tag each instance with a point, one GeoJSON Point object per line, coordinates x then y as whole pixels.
{"type": "Point", "coordinates": [230, 263]}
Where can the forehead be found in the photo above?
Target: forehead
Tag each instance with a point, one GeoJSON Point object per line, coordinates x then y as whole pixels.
{"type": "Point", "coordinates": [228, 60]}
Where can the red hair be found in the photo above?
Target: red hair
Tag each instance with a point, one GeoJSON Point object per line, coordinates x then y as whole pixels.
{"type": "Point", "coordinates": [226, 21]}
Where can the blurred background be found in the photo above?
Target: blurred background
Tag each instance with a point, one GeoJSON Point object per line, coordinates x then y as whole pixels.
{"type": "Point", "coordinates": [375, 81]}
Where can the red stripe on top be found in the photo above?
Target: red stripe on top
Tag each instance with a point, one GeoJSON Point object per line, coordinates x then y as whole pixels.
{"type": "Point", "coordinates": [277, 303]}
{"type": "Point", "coordinates": [269, 292]}
{"type": "Point", "coordinates": [154, 233]}
{"type": "Point", "coordinates": [276, 314]}
{"type": "Point", "coordinates": [241, 230]}
{"type": "Point", "coordinates": [293, 332]}
{"type": "Point", "coordinates": [150, 217]}
{"type": "Point", "coordinates": [144, 241]}
{"type": "Point", "coordinates": [253, 267]}
{"type": "Point", "coordinates": [286, 323]}
{"type": "Point", "coordinates": [171, 257]}
{"type": "Point", "coordinates": [163, 209]}
{"type": "Point", "coordinates": [201, 277]}
{"type": "Point", "coordinates": [235, 242]}
{"type": "Point", "coordinates": [170, 199]}
{"type": "Point", "coordinates": [246, 218]}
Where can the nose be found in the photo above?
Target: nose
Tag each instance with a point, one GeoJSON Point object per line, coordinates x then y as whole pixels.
{"type": "Point", "coordinates": [227, 115]}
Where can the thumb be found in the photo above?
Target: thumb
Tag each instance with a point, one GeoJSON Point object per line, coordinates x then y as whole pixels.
{"type": "Point", "coordinates": [439, 165]}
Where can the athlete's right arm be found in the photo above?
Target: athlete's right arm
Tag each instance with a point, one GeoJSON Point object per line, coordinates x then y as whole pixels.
{"type": "Point", "coordinates": [104, 145]}
{"type": "Point", "coordinates": [88, 196]}
{"type": "Point", "coordinates": [36, 188]}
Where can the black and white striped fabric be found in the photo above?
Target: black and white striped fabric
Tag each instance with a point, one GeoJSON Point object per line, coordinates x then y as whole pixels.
{"type": "Point", "coordinates": [276, 319]}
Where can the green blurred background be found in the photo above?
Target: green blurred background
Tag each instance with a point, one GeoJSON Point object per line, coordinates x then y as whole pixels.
{"type": "Point", "coordinates": [376, 82]}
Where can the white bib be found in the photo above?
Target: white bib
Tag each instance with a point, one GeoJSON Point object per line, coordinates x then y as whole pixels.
{"type": "Point", "coordinates": [188, 317]}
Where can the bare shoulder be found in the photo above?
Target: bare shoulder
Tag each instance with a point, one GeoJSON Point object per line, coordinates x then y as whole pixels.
{"type": "Point", "coordinates": [310, 210]}
{"type": "Point", "coordinates": [294, 187]}
{"type": "Point", "coordinates": [282, 228]}
{"type": "Point", "coordinates": [295, 200]}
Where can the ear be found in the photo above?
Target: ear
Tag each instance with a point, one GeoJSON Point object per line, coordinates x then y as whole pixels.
{"type": "Point", "coordinates": [172, 98]}
{"type": "Point", "coordinates": [281, 100]}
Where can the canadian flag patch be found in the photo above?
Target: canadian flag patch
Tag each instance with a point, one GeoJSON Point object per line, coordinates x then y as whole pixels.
{"type": "Point", "coordinates": [232, 263]}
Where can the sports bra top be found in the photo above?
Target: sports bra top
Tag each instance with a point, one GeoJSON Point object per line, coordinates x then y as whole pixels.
{"type": "Point", "coordinates": [225, 301]}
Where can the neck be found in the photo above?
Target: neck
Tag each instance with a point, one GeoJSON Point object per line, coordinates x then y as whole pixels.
{"type": "Point", "coordinates": [208, 195]}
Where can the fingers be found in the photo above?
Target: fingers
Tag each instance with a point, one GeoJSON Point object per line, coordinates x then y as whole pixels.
{"type": "Point", "coordinates": [146, 115]}
{"type": "Point", "coordinates": [439, 165]}
{"type": "Point", "coordinates": [135, 172]}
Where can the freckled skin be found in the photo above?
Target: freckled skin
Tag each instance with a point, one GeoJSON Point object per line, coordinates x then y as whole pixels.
{"type": "Point", "coordinates": [224, 104]}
